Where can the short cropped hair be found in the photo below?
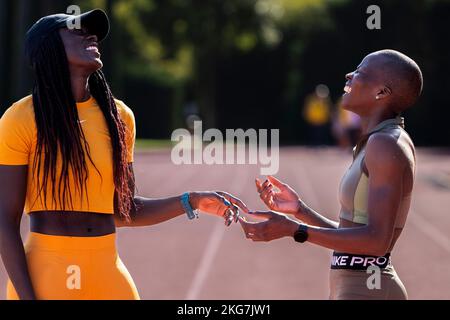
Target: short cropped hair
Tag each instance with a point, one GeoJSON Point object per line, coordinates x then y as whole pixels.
{"type": "Point", "coordinates": [404, 77]}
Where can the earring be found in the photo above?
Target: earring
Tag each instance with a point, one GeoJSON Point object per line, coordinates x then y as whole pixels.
{"type": "Point", "coordinates": [377, 97]}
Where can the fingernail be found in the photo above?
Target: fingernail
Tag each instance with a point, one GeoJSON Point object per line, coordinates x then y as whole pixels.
{"type": "Point", "coordinates": [227, 202]}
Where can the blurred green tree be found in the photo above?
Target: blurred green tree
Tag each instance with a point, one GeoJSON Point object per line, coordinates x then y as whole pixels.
{"type": "Point", "coordinates": [180, 41]}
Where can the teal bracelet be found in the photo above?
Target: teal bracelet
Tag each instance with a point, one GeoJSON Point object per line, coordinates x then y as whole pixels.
{"type": "Point", "coordinates": [187, 206]}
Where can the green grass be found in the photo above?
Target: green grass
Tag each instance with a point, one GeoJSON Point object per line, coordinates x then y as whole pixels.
{"type": "Point", "coordinates": [150, 144]}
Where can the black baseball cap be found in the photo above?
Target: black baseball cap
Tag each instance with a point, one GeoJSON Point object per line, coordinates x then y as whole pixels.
{"type": "Point", "coordinates": [96, 21]}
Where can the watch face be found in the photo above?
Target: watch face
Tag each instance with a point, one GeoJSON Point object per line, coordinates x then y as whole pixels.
{"type": "Point", "coordinates": [300, 236]}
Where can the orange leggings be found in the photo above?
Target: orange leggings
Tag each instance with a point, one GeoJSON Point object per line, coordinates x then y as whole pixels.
{"type": "Point", "coordinates": [76, 268]}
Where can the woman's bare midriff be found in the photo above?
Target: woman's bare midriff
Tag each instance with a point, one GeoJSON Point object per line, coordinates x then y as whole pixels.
{"type": "Point", "coordinates": [72, 223]}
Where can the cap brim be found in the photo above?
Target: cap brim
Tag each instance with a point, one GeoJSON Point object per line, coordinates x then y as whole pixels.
{"type": "Point", "coordinates": [97, 22]}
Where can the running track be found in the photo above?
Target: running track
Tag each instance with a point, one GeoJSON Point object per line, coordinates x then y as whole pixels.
{"type": "Point", "coordinates": [202, 259]}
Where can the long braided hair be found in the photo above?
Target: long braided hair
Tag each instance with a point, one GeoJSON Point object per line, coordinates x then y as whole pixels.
{"type": "Point", "coordinates": [59, 130]}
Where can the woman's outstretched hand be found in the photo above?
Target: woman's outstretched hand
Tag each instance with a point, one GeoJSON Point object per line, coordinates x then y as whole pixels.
{"type": "Point", "coordinates": [218, 203]}
{"type": "Point", "coordinates": [275, 226]}
{"type": "Point", "coordinates": [278, 196]}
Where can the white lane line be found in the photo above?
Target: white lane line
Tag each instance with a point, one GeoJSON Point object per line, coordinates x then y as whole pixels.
{"type": "Point", "coordinates": [440, 238]}
{"type": "Point", "coordinates": [206, 262]}
{"type": "Point", "coordinates": [212, 247]}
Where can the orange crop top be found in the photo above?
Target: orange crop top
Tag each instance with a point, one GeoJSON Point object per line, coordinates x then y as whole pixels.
{"type": "Point", "coordinates": [18, 138]}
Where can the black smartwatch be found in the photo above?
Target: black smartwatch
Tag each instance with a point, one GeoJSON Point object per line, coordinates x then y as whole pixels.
{"type": "Point", "coordinates": [301, 235]}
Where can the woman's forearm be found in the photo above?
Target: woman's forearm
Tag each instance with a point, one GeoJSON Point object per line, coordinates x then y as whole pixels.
{"type": "Point", "coordinates": [313, 218]}
{"type": "Point", "coordinates": [150, 211]}
{"type": "Point", "coordinates": [14, 260]}
{"type": "Point", "coordinates": [359, 240]}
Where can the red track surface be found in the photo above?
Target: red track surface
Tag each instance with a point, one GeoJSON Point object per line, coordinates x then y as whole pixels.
{"type": "Point", "coordinates": [202, 259]}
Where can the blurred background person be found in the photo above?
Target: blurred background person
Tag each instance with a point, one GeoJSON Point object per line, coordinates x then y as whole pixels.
{"type": "Point", "coordinates": [346, 127]}
{"type": "Point", "coordinates": [317, 114]}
